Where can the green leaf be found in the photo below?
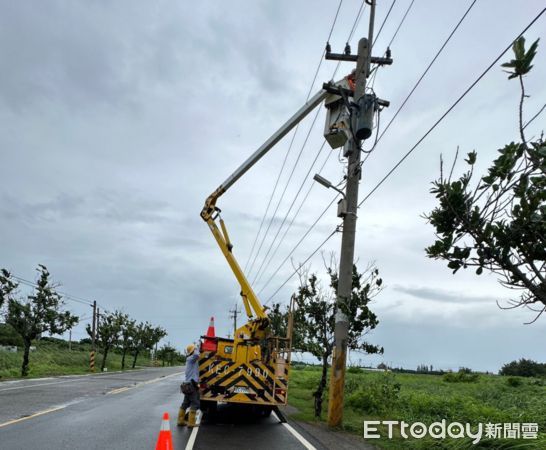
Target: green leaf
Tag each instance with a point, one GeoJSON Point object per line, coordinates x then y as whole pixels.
{"type": "Point", "coordinates": [471, 158]}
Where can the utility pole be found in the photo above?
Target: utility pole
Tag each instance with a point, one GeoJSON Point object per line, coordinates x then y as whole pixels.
{"type": "Point", "coordinates": [93, 340]}
{"type": "Point", "coordinates": [233, 315]}
{"type": "Point", "coordinates": [361, 124]}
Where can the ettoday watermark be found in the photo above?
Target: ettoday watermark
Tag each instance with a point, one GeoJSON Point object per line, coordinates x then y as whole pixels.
{"type": "Point", "coordinates": [453, 430]}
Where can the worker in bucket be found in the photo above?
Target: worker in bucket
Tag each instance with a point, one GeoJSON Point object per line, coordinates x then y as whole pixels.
{"type": "Point", "coordinates": [190, 388]}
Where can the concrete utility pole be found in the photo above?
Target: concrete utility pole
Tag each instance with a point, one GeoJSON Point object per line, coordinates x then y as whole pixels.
{"type": "Point", "coordinates": [93, 345]}
{"type": "Point", "coordinates": [233, 315]}
{"type": "Point", "coordinates": [363, 110]}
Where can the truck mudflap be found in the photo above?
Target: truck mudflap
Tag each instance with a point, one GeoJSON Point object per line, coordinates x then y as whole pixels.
{"type": "Point", "coordinates": [223, 380]}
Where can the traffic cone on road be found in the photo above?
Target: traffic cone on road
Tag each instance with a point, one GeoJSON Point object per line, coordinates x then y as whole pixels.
{"type": "Point", "coordinates": [210, 344]}
{"type": "Point", "coordinates": [165, 439]}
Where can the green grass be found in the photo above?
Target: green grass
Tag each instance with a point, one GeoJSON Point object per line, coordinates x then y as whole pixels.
{"type": "Point", "coordinates": [429, 398]}
{"type": "Point", "coordinates": [50, 359]}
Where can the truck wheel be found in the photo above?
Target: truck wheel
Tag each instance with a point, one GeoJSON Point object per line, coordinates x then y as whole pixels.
{"type": "Point", "coordinates": [209, 408]}
{"type": "Point", "coordinates": [263, 411]}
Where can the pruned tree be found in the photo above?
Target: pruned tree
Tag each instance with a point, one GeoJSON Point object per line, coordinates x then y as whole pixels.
{"type": "Point", "coordinates": [168, 354]}
{"type": "Point", "coordinates": [41, 312]}
{"type": "Point", "coordinates": [157, 333]}
{"type": "Point", "coordinates": [498, 223]}
{"type": "Point", "coordinates": [314, 318]}
{"type": "Point", "coordinates": [108, 333]}
{"type": "Point", "coordinates": [144, 339]}
{"type": "Point", "coordinates": [128, 329]}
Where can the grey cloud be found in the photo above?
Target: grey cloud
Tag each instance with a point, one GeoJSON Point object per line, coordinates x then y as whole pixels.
{"type": "Point", "coordinates": [440, 295]}
{"type": "Point", "coordinates": [121, 117]}
{"type": "Point", "coordinates": [112, 206]}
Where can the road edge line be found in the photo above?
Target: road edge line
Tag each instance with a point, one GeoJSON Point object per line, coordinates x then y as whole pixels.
{"type": "Point", "coordinates": [297, 435]}
{"type": "Point", "coordinates": [191, 440]}
{"type": "Point", "coordinates": [40, 413]}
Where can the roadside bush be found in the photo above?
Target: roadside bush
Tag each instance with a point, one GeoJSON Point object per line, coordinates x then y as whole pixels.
{"type": "Point", "coordinates": [354, 369]}
{"type": "Point", "coordinates": [379, 396]}
{"type": "Point", "coordinates": [8, 336]}
{"type": "Point", "coordinates": [462, 376]}
{"type": "Point", "coordinates": [514, 381]}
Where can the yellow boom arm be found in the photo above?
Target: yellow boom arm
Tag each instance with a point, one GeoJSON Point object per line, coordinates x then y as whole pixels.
{"type": "Point", "coordinates": [210, 212]}
{"type": "Point", "coordinates": [252, 305]}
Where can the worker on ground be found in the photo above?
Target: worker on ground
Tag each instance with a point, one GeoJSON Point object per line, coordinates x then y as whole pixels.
{"type": "Point", "coordinates": [190, 388]}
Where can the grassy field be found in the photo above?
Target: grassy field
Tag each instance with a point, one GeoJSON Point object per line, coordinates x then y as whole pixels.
{"type": "Point", "coordinates": [429, 398]}
{"type": "Point", "coordinates": [50, 359]}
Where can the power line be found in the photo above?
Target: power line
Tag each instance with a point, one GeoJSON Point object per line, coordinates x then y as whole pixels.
{"type": "Point", "coordinates": [357, 20]}
{"type": "Point", "coordinates": [298, 243]}
{"type": "Point", "coordinates": [384, 21]}
{"type": "Point", "coordinates": [293, 200]}
{"type": "Point", "coordinates": [290, 145]}
{"type": "Point", "coordinates": [416, 85]}
{"type": "Point", "coordinates": [495, 61]}
{"type": "Point", "coordinates": [64, 294]}
{"type": "Point", "coordinates": [401, 22]}
{"type": "Point", "coordinates": [355, 24]}
{"type": "Point", "coordinates": [256, 277]}
{"type": "Point", "coordinates": [301, 265]}
{"type": "Point", "coordinates": [311, 185]}
{"type": "Point", "coordinates": [374, 76]}
{"type": "Point", "coordinates": [284, 191]}
{"type": "Point", "coordinates": [534, 117]}
{"type": "Point", "coordinates": [324, 50]}
{"type": "Point", "coordinates": [400, 162]}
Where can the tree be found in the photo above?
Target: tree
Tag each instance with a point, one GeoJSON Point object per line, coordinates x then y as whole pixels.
{"type": "Point", "coordinates": [8, 287]}
{"type": "Point", "coordinates": [41, 312]}
{"type": "Point", "coordinates": [278, 320]}
{"type": "Point", "coordinates": [128, 329]}
{"type": "Point", "coordinates": [108, 332]}
{"type": "Point", "coordinates": [314, 318]}
{"type": "Point", "coordinates": [156, 335]}
{"type": "Point", "coordinates": [524, 368]}
{"type": "Point", "coordinates": [142, 338]}
{"type": "Point", "coordinates": [168, 354]}
{"type": "Point", "coordinates": [499, 223]}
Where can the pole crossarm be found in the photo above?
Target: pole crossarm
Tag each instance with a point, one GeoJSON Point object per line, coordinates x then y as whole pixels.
{"type": "Point", "coordinates": [354, 58]}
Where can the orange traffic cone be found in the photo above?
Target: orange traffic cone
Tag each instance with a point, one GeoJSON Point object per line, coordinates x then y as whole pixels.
{"type": "Point", "coordinates": [165, 439]}
{"type": "Point", "coordinates": [210, 344]}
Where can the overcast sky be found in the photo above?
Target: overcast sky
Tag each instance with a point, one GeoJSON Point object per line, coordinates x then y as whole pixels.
{"type": "Point", "coordinates": [120, 118]}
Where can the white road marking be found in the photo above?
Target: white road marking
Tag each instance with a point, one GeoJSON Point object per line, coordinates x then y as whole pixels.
{"type": "Point", "coordinates": [163, 378]}
{"type": "Point", "coordinates": [41, 413]}
{"type": "Point", "coordinates": [36, 385]}
{"type": "Point", "coordinates": [191, 440]}
{"type": "Point", "coordinates": [297, 435]}
{"type": "Point", "coordinates": [78, 379]}
{"type": "Point", "coordinates": [118, 390]}
{"type": "Point", "coordinates": [126, 388]}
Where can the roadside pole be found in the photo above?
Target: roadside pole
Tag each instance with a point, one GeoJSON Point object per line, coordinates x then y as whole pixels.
{"type": "Point", "coordinates": [363, 110]}
{"type": "Point", "coordinates": [234, 313]}
{"type": "Point", "coordinates": [93, 345]}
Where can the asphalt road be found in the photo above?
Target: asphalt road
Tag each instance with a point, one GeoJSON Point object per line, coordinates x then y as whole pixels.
{"type": "Point", "coordinates": [124, 411]}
